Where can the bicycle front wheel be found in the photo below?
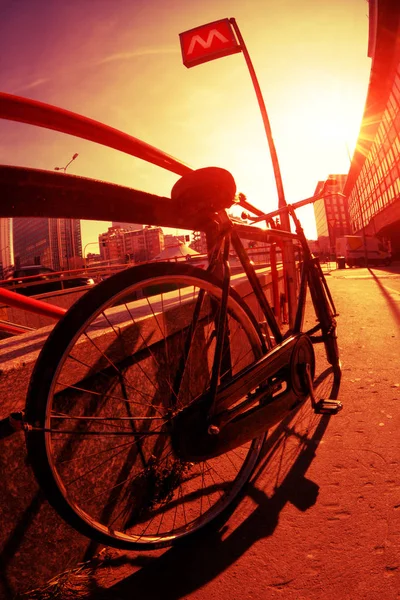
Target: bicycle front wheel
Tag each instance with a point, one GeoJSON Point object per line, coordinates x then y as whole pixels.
{"type": "Point", "coordinates": [126, 358]}
{"type": "Point", "coordinates": [325, 312]}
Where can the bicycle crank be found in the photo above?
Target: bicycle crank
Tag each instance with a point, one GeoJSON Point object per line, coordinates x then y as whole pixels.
{"type": "Point", "coordinates": [197, 436]}
{"type": "Point", "coordinates": [322, 406]}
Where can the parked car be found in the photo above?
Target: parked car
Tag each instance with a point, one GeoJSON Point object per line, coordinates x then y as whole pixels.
{"type": "Point", "coordinates": [42, 280]}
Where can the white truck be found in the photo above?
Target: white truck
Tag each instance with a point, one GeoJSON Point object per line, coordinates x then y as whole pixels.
{"type": "Point", "coordinates": [352, 251]}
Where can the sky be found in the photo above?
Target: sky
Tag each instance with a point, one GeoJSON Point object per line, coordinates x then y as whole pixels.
{"type": "Point", "coordinates": [119, 62]}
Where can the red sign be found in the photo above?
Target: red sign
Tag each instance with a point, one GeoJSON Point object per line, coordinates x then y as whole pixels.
{"type": "Point", "coordinates": [208, 42]}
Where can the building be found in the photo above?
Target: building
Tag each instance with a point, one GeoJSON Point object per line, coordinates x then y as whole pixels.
{"type": "Point", "coordinates": [373, 183]}
{"type": "Point", "coordinates": [6, 249]}
{"type": "Point", "coordinates": [124, 225]}
{"type": "Point", "coordinates": [68, 248]}
{"type": "Point", "coordinates": [145, 244]}
{"type": "Point", "coordinates": [140, 245]}
{"type": "Point", "coordinates": [111, 245]}
{"type": "Point", "coordinates": [32, 241]}
{"type": "Point", "coordinates": [331, 215]}
{"type": "Point", "coordinates": [92, 258]}
{"type": "Point", "coordinates": [173, 240]}
{"type": "Point", "coordinates": [54, 243]}
{"type": "Point", "coordinates": [199, 242]}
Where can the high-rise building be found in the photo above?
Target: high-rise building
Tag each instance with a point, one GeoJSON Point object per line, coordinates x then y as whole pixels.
{"type": "Point", "coordinates": [55, 243]}
{"type": "Point", "coordinates": [32, 241]}
{"type": "Point", "coordinates": [69, 245]}
{"type": "Point", "coordinates": [6, 250]}
{"type": "Point", "coordinates": [331, 214]}
{"type": "Point", "coordinates": [373, 183]}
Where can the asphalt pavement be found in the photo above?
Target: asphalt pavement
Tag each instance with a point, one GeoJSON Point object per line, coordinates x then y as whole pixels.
{"type": "Point", "coordinates": [321, 517]}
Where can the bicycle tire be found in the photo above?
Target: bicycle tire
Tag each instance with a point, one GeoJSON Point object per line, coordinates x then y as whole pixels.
{"type": "Point", "coordinates": [325, 315]}
{"type": "Point", "coordinates": [133, 493]}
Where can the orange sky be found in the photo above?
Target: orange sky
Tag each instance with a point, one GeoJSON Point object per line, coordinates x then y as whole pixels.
{"type": "Point", "coordinates": [119, 62]}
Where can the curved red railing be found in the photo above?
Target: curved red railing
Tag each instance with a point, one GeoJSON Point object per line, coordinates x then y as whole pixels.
{"type": "Point", "coordinates": [40, 114]}
{"type": "Point", "coordinates": [33, 112]}
{"type": "Point", "coordinates": [31, 304]}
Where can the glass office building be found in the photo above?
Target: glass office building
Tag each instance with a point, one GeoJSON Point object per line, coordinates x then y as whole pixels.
{"type": "Point", "coordinates": [54, 243]}
{"type": "Point", "coordinates": [373, 182]}
{"type": "Point", "coordinates": [6, 251]}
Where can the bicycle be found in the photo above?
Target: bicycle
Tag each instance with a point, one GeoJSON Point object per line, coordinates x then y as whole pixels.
{"type": "Point", "coordinates": [150, 401]}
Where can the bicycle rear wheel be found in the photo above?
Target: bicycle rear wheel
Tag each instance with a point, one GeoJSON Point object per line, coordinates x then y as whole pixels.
{"type": "Point", "coordinates": [115, 370]}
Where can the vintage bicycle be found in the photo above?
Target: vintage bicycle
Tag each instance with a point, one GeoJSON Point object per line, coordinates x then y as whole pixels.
{"type": "Point", "coordinates": [150, 401]}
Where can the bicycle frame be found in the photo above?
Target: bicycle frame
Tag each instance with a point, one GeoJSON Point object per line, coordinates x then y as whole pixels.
{"type": "Point", "coordinates": [235, 413]}
{"type": "Point", "coordinates": [235, 232]}
{"type": "Point", "coordinates": [43, 115]}
{"type": "Point", "coordinates": [241, 392]}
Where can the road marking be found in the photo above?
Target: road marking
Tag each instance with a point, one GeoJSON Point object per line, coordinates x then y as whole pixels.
{"type": "Point", "coordinates": [391, 290]}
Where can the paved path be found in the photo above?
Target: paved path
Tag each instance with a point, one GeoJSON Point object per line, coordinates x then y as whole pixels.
{"type": "Point", "coordinates": [321, 519]}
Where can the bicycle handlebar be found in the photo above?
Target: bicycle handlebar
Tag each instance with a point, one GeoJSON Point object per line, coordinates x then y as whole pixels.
{"type": "Point", "coordinates": [288, 207]}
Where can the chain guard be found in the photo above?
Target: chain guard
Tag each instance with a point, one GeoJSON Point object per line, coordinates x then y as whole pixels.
{"type": "Point", "coordinates": [192, 439]}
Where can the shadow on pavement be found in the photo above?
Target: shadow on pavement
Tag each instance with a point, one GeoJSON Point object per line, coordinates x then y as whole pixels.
{"type": "Point", "coordinates": [279, 478]}
{"type": "Point", "coordinates": [393, 305]}
{"type": "Point", "coordinates": [392, 269]}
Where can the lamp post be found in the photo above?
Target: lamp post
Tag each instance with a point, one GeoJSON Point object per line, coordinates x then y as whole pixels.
{"type": "Point", "coordinates": [84, 251]}
{"type": "Point", "coordinates": [67, 165]}
{"type": "Point", "coordinates": [71, 239]}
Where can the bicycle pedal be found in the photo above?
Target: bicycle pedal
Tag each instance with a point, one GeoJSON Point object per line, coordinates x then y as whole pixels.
{"type": "Point", "coordinates": [327, 407]}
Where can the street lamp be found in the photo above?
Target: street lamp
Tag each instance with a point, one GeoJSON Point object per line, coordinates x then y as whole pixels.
{"type": "Point", "coordinates": [71, 239]}
{"type": "Point", "coordinates": [67, 165]}
{"type": "Point", "coordinates": [84, 251]}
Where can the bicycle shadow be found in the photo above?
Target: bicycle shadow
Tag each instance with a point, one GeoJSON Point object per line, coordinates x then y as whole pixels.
{"type": "Point", "coordinates": [280, 478]}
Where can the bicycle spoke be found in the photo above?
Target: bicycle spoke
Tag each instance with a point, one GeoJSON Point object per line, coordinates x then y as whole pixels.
{"type": "Point", "coordinates": [71, 357]}
{"type": "Point", "coordinates": [135, 362]}
{"type": "Point", "coordinates": [93, 393]}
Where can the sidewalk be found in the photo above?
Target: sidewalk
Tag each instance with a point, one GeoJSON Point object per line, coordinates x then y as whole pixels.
{"type": "Point", "coordinates": [347, 544]}
{"type": "Point", "coordinates": [321, 518]}
{"type": "Point", "coordinates": [391, 272]}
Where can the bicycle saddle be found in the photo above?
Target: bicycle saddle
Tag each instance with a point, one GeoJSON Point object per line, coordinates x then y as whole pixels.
{"type": "Point", "coordinates": [209, 189]}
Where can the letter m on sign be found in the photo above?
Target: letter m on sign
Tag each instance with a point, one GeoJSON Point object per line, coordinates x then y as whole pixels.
{"type": "Point", "coordinates": [208, 42]}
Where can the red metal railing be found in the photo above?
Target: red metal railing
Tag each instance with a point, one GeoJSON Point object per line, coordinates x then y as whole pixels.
{"type": "Point", "coordinates": [24, 110]}
{"type": "Point", "coordinates": [32, 304]}
{"type": "Point", "coordinates": [36, 113]}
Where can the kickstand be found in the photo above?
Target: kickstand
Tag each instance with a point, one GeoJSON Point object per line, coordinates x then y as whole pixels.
{"type": "Point", "coordinates": [321, 407]}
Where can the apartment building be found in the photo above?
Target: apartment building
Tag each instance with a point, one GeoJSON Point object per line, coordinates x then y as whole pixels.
{"type": "Point", "coordinates": [119, 245]}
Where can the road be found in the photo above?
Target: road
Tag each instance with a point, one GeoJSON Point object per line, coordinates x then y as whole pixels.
{"type": "Point", "coordinates": [321, 517]}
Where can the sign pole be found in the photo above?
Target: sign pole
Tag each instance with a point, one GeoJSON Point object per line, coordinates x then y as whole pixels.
{"type": "Point", "coordinates": [267, 127]}
{"type": "Point", "coordinates": [289, 260]}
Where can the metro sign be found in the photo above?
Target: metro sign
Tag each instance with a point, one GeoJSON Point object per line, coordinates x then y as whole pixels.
{"type": "Point", "coordinates": [207, 42]}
